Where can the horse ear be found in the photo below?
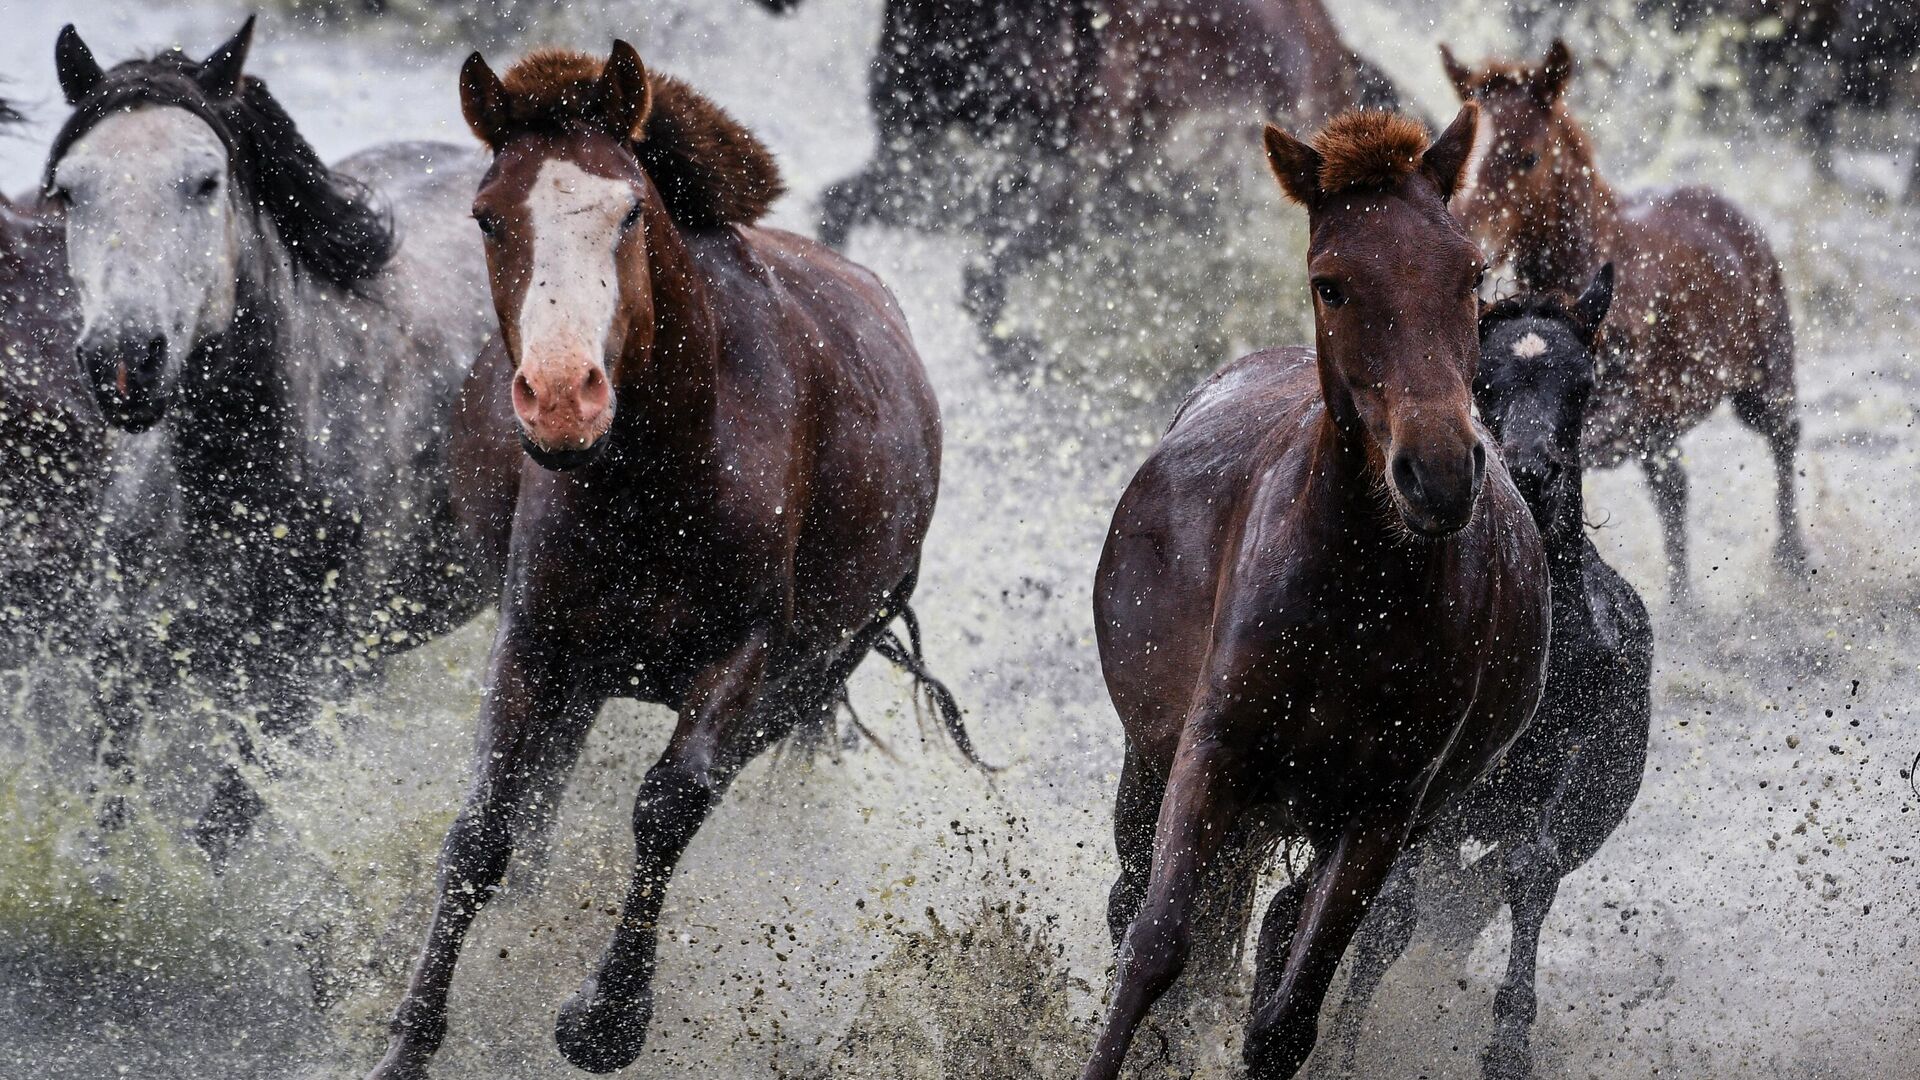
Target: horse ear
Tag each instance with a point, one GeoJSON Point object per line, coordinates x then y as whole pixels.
{"type": "Point", "coordinates": [483, 101]}
{"type": "Point", "coordinates": [1591, 309]}
{"type": "Point", "coordinates": [1459, 74]}
{"type": "Point", "coordinates": [79, 71]}
{"type": "Point", "coordinates": [1295, 164]}
{"type": "Point", "coordinates": [1552, 79]}
{"type": "Point", "coordinates": [626, 97]}
{"type": "Point", "coordinates": [220, 72]}
{"type": "Point", "coordinates": [1454, 157]}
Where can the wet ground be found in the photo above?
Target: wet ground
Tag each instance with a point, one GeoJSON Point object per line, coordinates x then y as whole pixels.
{"type": "Point", "coordinates": [902, 916]}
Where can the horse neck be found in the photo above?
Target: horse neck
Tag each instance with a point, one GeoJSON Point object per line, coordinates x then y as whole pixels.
{"type": "Point", "coordinates": [1575, 226]}
{"type": "Point", "coordinates": [1565, 539]}
{"type": "Point", "coordinates": [670, 379]}
{"type": "Point", "coordinates": [232, 443]}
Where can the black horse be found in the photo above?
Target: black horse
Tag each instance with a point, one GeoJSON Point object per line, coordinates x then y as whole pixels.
{"type": "Point", "coordinates": [1567, 782]}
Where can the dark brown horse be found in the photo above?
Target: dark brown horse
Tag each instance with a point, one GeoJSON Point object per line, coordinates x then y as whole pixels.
{"type": "Point", "coordinates": [52, 439]}
{"type": "Point", "coordinates": [1320, 599]}
{"type": "Point", "coordinates": [1095, 79]}
{"type": "Point", "coordinates": [731, 460]}
{"type": "Point", "coordinates": [1702, 312]}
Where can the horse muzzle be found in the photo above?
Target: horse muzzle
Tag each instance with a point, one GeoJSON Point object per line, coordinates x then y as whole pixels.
{"type": "Point", "coordinates": [1436, 492]}
{"type": "Point", "coordinates": [128, 374]}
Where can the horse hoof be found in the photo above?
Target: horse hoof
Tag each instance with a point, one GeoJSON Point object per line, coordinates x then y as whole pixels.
{"type": "Point", "coordinates": [1273, 1056]}
{"type": "Point", "coordinates": [1790, 556]}
{"type": "Point", "coordinates": [602, 1035]}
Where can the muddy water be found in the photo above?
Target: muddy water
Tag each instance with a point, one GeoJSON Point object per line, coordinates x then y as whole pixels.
{"type": "Point", "coordinates": [895, 914]}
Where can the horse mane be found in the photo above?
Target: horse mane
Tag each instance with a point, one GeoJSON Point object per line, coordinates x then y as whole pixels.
{"type": "Point", "coordinates": [1551, 304]}
{"type": "Point", "coordinates": [709, 169]}
{"type": "Point", "coordinates": [1368, 148]}
{"type": "Point", "coordinates": [330, 224]}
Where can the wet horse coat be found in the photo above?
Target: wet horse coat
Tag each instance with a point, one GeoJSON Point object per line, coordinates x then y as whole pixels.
{"type": "Point", "coordinates": [1702, 313]}
{"type": "Point", "coordinates": [282, 342]}
{"type": "Point", "coordinates": [1319, 599]}
{"type": "Point", "coordinates": [731, 459]}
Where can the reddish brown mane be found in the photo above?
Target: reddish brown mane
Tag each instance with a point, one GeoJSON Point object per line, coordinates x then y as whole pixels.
{"type": "Point", "coordinates": [710, 170]}
{"type": "Point", "coordinates": [1368, 149]}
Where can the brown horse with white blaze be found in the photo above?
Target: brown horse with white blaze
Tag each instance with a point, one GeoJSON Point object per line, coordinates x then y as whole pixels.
{"type": "Point", "coordinates": [734, 454]}
{"type": "Point", "coordinates": [1701, 314]}
{"type": "Point", "coordinates": [1321, 600]}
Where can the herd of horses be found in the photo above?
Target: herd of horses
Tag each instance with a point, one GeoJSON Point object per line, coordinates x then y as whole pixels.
{"type": "Point", "coordinates": [269, 422]}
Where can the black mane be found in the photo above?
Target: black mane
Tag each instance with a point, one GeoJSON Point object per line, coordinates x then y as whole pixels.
{"type": "Point", "coordinates": [329, 223]}
{"type": "Point", "coordinates": [1541, 305]}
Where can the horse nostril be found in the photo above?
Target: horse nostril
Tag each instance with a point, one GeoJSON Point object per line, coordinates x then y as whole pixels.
{"type": "Point", "coordinates": [1406, 476]}
{"type": "Point", "coordinates": [524, 387]}
{"type": "Point", "coordinates": [156, 353]}
{"type": "Point", "coordinates": [1479, 463]}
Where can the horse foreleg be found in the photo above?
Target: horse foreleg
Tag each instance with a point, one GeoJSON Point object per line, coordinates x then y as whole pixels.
{"type": "Point", "coordinates": [1381, 940]}
{"type": "Point", "coordinates": [1531, 880]}
{"type": "Point", "coordinates": [849, 203]}
{"type": "Point", "coordinates": [1667, 482]}
{"type": "Point", "coordinates": [530, 713]}
{"type": "Point", "coordinates": [723, 726]}
{"type": "Point", "coordinates": [1196, 815]}
{"type": "Point", "coordinates": [1286, 1018]}
{"type": "Point", "coordinates": [1135, 809]}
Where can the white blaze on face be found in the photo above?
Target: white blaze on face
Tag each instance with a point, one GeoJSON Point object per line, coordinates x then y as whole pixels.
{"type": "Point", "coordinates": [153, 240]}
{"type": "Point", "coordinates": [1529, 346]}
{"type": "Point", "coordinates": [573, 291]}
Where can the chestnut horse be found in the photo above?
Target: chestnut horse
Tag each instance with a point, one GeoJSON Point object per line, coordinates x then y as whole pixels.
{"type": "Point", "coordinates": [732, 454]}
{"type": "Point", "coordinates": [1319, 600]}
{"type": "Point", "coordinates": [1702, 312]}
{"type": "Point", "coordinates": [1567, 782]}
{"type": "Point", "coordinates": [1043, 78]}
{"type": "Point", "coordinates": [52, 437]}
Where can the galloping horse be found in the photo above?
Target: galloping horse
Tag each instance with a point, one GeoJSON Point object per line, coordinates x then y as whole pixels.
{"type": "Point", "coordinates": [1567, 782]}
{"type": "Point", "coordinates": [52, 438]}
{"type": "Point", "coordinates": [732, 458]}
{"type": "Point", "coordinates": [1319, 600]}
{"type": "Point", "coordinates": [1702, 312]}
{"type": "Point", "coordinates": [1044, 79]}
{"type": "Point", "coordinates": [291, 350]}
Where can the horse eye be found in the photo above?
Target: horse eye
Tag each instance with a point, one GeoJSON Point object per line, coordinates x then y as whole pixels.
{"type": "Point", "coordinates": [206, 187]}
{"type": "Point", "coordinates": [632, 218]}
{"type": "Point", "coordinates": [489, 225]}
{"type": "Point", "coordinates": [1330, 293]}
{"type": "Point", "coordinates": [1528, 160]}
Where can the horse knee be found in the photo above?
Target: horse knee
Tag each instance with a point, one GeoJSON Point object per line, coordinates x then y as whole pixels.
{"type": "Point", "coordinates": [476, 853]}
{"type": "Point", "coordinates": [1154, 954]}
{"type": "Point", "coordinates": [676, 792]}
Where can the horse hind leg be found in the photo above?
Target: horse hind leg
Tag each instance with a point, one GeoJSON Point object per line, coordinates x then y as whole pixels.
{"type": "Point", "coordinates": [1382, 939]}
{"type": "Point", "coordinates": [1667, 482]}
{"type": "Point", "coordinates": [1771, 415]}
{"type": "Point", "coordinates": [1136, 806]}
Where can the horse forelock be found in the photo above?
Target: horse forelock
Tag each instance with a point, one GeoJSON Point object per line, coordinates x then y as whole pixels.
{"type": "Point", "coordinates": [328, 223]}
{"type": "Point", "coordinates": [1367, 148]}
{"type": "Point", "coordinates": [709, 169]}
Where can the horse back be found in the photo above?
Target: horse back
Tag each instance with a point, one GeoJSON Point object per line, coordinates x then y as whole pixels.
{"type": "Point", "coordinates": [1701, 313]}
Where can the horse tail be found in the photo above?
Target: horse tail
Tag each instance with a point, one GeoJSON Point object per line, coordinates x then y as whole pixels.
{"type": "Point", "coordinates": [909, 657]}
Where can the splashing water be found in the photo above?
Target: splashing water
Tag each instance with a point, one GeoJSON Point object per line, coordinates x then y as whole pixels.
{"type": "Point", "coordinates": [859, 916]}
